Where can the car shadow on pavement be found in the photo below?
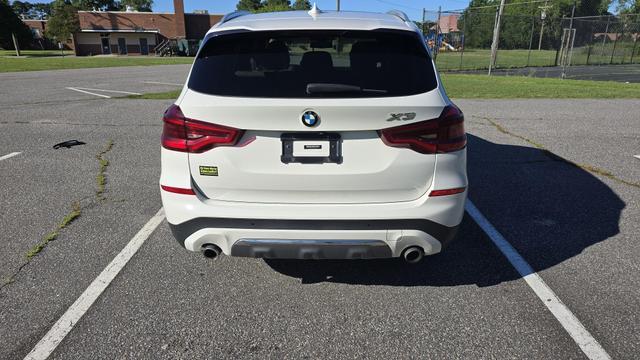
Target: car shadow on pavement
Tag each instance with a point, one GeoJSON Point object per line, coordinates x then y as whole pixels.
{"type": "Point", "coordinates": [549, 209]}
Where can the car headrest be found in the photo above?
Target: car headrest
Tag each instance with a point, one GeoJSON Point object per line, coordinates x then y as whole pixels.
{"type": "Point", "coordinates": [274, 57]}
{"type": "Point", "coordinates": [364, 56]}
{"type": "Point", "coordinates": [317, 61]}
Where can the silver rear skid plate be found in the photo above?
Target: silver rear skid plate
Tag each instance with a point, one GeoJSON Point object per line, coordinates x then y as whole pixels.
{"type": "Point", "coordinates": [311, 249]}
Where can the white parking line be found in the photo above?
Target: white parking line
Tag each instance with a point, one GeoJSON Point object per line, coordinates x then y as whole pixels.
{"type": "Point", "coordinates": [88, 92]}
{"type": "Point", "coordinates": [587, 343]}
{"type": "Point", "coordinates": [63, 326]}
{"type": "Point", "coordinates": [5, 157]}
{"type": "Point", "coordinates": [636, 156]}
{"type": "Point", "coordinates": [161, 83]}
{"type": "Point", "coordinates": [111, 91]}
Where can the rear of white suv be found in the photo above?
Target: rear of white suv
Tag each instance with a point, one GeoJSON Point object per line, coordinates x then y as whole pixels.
{"type": "Point", "coordinates": [314, 136]}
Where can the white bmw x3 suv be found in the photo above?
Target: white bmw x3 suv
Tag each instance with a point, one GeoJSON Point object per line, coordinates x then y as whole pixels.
{"type": "Point", "coordinates": [314, 135]}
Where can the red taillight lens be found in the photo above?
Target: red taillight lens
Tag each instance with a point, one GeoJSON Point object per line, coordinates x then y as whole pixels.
{"type": "Point", "coordinates": [182, 134]}
{"type": "Point", "coordinates": [446, 192]}
{"type": "Point", "coordinates": [176, 190]}
{"type": "Point", "coordinates": [441, 135]}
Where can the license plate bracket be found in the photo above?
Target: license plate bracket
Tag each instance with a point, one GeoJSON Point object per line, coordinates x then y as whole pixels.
{"type": "Point", "coordinates": [333, 139]}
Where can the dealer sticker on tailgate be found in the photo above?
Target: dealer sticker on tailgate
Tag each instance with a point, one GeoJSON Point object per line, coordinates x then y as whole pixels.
{"type": "Point", "coordinates": [209, 170]}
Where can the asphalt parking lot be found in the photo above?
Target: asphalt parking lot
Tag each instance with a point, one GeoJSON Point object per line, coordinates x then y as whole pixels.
{"type": "Point", "coordinates": [556, 178]}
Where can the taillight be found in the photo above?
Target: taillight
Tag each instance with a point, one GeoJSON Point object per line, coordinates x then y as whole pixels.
{"type": "Point", "coordinates": [183, 134]}
{"type": "Point", "coordinates": [446, 192]}
{"type": "Point", "coordinates": [176, 190]}
{"type": "Point", "coordinates": [441, 135]}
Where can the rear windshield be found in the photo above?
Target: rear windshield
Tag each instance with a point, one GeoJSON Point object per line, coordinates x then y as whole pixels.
{"type": "Point", "coordinates": [302, 64]}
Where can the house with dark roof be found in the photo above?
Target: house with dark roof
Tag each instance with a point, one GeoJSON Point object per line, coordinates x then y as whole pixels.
{"type": "Point", "coordinates": [132, 32]}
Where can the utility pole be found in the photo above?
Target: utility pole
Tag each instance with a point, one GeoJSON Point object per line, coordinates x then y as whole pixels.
{"type": "Point", "coordinates": [15, 44]}
{"type": "Point", "coordinates": [543, 16]}
{"type": "Point", "coordinates": [569, 46]}
{"type": "Point", "coordinates": [338, 5]}
{"type": "Point", "coordinates": [436, 45]}
{"type": "Point", "coordinates": [496, 37]}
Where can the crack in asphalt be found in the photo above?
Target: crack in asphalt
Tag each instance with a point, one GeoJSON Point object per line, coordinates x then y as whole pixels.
{"type": "Point", "coordinates": [590, 168]}
{"type": "Point", "coordinates": [69, 218]}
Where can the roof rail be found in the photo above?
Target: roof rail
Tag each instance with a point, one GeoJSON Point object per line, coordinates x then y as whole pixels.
{"type": "Point", "coordinates": [399, 14]}
{"type": "Point", "coordinates": [233, 15]}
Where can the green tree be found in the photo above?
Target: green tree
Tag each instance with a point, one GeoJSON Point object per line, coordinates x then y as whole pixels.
{"type": "Point", "coordinates": [301, 5]}
{"type": "Point", "coordinates": [31, 10]}
{"type": "Point", "coordinates": [99, 5]}
{"type": "Point", "coordinates": [273, 8]}
{"type": "Point", "coordinates": [41, 10]}
{"type": "Point", "coordinates": [10, 23]}
{"type": "Point", "coordinates": [628, 6]}
{"type": "Point", "coordinates": [277, 3]}
{"type": "Point", "coordinates": [21, 8]}
{"type": "Point", "coordinates": [63, 22]}
{"type": "Point", "coordinates": [139, 5]}
{"type": "Point", "coordinates": [249, 5]}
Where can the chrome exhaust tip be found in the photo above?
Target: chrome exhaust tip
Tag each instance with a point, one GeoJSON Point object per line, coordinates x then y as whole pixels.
{"type": "Point", "coordinates": [413, 254]}
{"type": "Point", "coordinates": [211, 251]}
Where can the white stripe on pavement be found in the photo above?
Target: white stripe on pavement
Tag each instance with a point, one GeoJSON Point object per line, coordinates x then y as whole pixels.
{"type": "Point", "coordinates": [587, 343]}
{"type": "Point", "coordinates": [636, 156]}
{"type": "Point", "coordinates": [112, 91]}
{"type": "Point", "coordinates": [5, 157]}
{"type": "Point", "coordinates": [63, 326]}
{"type": "Point", "coordinates": [161, 83]}
{"type": "Point", "coordinates": [88, 92]}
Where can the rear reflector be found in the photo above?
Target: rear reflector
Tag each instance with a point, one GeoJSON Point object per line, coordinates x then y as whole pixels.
{"type": "Point", "coordinates": [177, 190]}
{"type": "Point", "coordinates": [187, 135]}
{"type": "Point", "coordinates": [442, 135]}
{"type": "Point", "coordinates": [447, 192]}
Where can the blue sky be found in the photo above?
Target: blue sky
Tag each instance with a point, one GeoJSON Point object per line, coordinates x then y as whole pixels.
{"type": "Point", "coordinates": [412, 7]}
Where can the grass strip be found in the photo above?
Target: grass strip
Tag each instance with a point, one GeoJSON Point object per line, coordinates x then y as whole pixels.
{"type": "Point", "coordinates": [463, 86]}
{"type": "Point", "coordinates": [33, 62]}
{"type": "Point", "coordinates": [101, 178]}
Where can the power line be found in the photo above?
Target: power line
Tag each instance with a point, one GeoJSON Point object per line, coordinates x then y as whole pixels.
{"type": "Point", "coordinates": [494, 6]}
{"type": "Point", "coordinates": [399, 5]}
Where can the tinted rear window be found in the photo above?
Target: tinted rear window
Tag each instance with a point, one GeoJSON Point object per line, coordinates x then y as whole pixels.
{"type": "Point", "coordinates": [301, 64]}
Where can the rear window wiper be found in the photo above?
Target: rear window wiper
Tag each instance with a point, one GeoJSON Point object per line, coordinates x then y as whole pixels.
{"type": "Point", "coordinates": [323, 88]}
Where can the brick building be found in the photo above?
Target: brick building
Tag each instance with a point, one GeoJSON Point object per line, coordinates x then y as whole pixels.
{"type": "Point", "coordinates": [135, 33]}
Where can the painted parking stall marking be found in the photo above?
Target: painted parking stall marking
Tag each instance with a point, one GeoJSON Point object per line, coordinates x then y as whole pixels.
{"type": "Point", "coordinates": [5, 157]}
{"type": "Point", "coordinates": [91, 91]}
{"type": "Point", "coordinates": [587, 343]}
{"type": "Point", "coordinates": [160, 83]}
{"type": "Point", "coordinates": [67, 321]}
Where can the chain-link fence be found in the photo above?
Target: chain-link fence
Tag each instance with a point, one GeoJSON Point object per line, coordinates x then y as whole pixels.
{"type": "Point", "coordinates": [529, 36]}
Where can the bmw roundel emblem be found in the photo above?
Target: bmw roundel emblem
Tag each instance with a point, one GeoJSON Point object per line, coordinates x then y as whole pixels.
{"type": "Point", "coordinates": [310, 118]}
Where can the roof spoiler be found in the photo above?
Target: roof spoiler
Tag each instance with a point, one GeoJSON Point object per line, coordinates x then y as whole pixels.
{"type": "Point", "coordinates": [399, 14]}
{"type": "Point", "coordinates": [233, 15]}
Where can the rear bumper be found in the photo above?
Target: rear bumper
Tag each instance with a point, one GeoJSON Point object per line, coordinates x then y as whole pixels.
{"type": "Point", "coordinates": [311, 249]}
{"type": "Point", "coordinates": [428, 222]}
{"type": "Point", "coordinates": [313, 239]}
